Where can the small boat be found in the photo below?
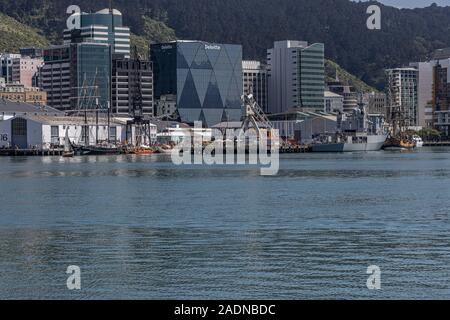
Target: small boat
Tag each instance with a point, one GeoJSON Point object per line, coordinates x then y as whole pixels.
{"type": "Point", "coordinates": [68, 150]}
{"type": "Point", "coordinates": [143, 150]}
{"type": "Point", "coordinates": [418, 140]}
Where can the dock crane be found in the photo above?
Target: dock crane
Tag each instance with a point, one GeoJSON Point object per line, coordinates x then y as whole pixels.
{"type": "Point", "coordinates": [140, 124]}
{"type": "Point", "coordinates": [254, 116]}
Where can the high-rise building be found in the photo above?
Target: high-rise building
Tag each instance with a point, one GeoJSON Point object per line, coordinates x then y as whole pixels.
{"type": "Point", "coordinates": [6, 65]}
{"type": "Point", "coordinates": [425, 91]}
{"type": "Point", "coordinates": [255, 82]}
{"type": "Point", "coordinates": [296, 76]}
{"type": "Point", "coordinates": [77, 76]}
{"type": "Point", "coordinates": [106, 27]}
{"type": "Point", "coordinates": [55, 77]}
{"type": "Point", "coordinates": [205, 77]}
{"type": "Point", "coordinates": [24, 70]}
{"type": "Point", "coordinates": [130, 78]}
{"type": "Point", "coordinates": [402, 93]}
{"type": "Point", "coordinates": [441, 98]}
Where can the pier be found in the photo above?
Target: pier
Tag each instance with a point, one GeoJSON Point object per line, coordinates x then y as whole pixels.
{"type": "Point", "coordinates": [30, 152]}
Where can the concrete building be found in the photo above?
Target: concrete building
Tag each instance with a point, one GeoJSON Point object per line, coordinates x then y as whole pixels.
{"type": "Point", "coordinates": [21, 93]}
{"type": "Point", "coordinates": [303, 127]}
{"type": "Point", "coordinates": [350, 101]}
{"type": "Point", "coordinates": [425, 91]}
{"type": "Point", "coordinates": [24, 70]}
{"type": "Point", "coordinates": [6, 65]}
{"type": "Point", "coordinates": [433, 89]}
{"type": "Point", "coordinates": [333, 102]}
{"type": "Point", "coordinates": [32, 52]}
{"type": "Point", "coordinates": [205, 77]}
{"type": "Point", "coordinates": [55, 77]}
{"type": "Point", "coordinates": [402, 92]}
{"type": "Point", "coordinates": [296, 76]}
{"type": "Point", "coordinates": [255, 82]}
{"type": "Point", "coordinates": [441, 54]}
{"type": "Point", "coordinates": [129, 77]}
{"type": "Point", "coordinates": [376, 102]}
{"type": "Point", "coordinates": [104, 27]}
{"type": "Point", "coordinates": [166, 106]}
{"type": "Point", "coordinates": [441, 98]}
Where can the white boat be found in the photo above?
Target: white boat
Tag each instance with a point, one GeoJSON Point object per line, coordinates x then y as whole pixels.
{"type": "Point", "coordinates": [419, 141]}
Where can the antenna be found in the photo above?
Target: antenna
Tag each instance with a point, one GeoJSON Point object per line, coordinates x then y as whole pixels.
{"type": "Point", "coordinates": [110, 6]}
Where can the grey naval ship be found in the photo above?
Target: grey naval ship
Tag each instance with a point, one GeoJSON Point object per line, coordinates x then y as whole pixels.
{"type": "Point", "coordinates": [356, 132]}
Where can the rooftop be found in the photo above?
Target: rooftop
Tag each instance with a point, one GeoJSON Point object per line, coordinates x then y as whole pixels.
{"type": "Point", "coordinates": [11, 107]}
{"type": "Point", "coordinates": [440, 54]}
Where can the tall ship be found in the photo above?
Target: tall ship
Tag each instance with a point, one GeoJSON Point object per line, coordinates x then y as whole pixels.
{"type": "Point", "coordinates": [356, 132]}
{"type": "Point", "coordinates": [398, 138]}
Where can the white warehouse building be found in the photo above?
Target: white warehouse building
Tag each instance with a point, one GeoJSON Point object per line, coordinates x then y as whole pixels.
{"type": "Point", "coordinates": [25, 126]}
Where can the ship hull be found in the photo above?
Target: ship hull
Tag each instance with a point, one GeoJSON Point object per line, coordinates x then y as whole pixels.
{"type": "Point", "coordinates": [97, 151]}
{"type": "Point", "coordinates": [374, 143]}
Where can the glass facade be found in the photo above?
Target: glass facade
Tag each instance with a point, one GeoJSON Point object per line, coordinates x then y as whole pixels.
{"type": "Point", "coordinates": [312, 76]}
{"type": "Point", "coordinates": [102, 27]}
{"type": "Point", "coordinates": [91, 71]}
{"type": "Point", "coordinates": [206, 79]}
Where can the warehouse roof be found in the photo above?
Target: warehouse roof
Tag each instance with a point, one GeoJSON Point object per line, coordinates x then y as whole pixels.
{"type": "Point", "coordinates": [14, 107]}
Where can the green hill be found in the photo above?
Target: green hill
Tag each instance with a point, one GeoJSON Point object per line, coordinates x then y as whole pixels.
{"type": "Point", "coordinates": [15, 35]}
{"type": "Point", "coordinates": [148, 26]}
{"type": "Point", "coordinates": [332, 69]}
{"type": "Point", "coordinates": [153, 31]}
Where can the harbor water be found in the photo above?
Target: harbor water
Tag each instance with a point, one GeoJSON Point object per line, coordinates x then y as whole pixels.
{"type": "Point", "coordinates": [140, 227]}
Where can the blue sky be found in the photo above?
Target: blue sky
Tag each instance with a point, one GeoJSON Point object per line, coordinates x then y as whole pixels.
{"type": "Point", "coordinates": [413, 3]}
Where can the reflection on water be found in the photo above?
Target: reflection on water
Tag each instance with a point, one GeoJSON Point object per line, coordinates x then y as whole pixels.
{"type": "Point", "coordinates": [140, 227]}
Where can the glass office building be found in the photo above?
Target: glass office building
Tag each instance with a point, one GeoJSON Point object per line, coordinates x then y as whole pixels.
{"type": "Point", "coordinates": [91, 69]}
{"type": "Point", "coordinates": [296, 76]}
{"type": "Point", "coordinates": [206, 78]}
{"type": "Point", "coordinates": [105, 26]}
{"type": "Point", "coordinates": [75, 75]}
{"type": "Point", "coordinates": [311, 74]}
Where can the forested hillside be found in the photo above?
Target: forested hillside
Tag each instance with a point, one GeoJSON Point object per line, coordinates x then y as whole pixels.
{"type": "Point", "coordinates": [406, 35]}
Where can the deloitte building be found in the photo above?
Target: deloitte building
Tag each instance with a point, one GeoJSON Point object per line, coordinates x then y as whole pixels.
{"type": "Point", "coordinates": [205, 78]}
